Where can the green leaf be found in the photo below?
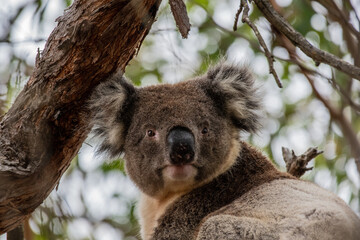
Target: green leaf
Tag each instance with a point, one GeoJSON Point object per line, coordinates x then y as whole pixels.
{"type": "Point", "coordinates": [117, 165]}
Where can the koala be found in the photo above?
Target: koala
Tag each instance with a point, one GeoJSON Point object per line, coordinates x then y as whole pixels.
{"type": "Point", "coordinates": [198, 180]}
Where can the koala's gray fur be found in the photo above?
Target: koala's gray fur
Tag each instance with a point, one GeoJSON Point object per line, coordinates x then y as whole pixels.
{"type": "Point", "coordinates": [198, 180]}
{"type": "Point", "coordinates": [111, 102]}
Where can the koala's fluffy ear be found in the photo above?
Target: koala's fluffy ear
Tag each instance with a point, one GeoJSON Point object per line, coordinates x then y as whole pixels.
{"type": "Point", "coordinates": [232, 89]}
{"type": "Point", "coordinates": [111, 107]}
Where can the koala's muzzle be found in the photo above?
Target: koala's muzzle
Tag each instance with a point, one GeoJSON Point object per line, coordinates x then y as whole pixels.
{"type": "Point", "coordinates": [181, 144]}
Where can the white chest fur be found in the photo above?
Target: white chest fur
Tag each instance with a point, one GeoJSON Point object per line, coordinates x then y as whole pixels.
{"type": "Point", "coordinates": [151, 209]}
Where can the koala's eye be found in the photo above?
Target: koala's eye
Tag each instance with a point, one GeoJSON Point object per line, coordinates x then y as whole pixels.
{"type": "Point", "coordinates": [150, 133]}
{"type": "Point", "coordinates": [204, 131]}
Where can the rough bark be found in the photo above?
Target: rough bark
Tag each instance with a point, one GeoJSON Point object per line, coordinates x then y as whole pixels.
{"type": "Point", "coordinates": [45, 127]}
{"type": "Point", "coordinates": [297, 165]}
{"type": "Point", "coordinates": [179, 12]}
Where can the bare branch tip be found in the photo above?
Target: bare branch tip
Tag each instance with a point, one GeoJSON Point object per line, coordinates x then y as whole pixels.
{"type": "Point", "coordinates": [276, 77]}
{"type": "Point", "coordinates": [296, 165]}
{"type": "Point", "coordinates": [237, 16]}
{"type": "Point", "coordinates": [269, 56]}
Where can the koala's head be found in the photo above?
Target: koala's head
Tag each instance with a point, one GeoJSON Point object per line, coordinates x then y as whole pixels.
{"type": "Point", "coordinates": [176, 137]}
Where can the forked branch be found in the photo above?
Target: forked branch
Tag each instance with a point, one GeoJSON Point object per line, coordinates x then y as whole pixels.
{"type": "Point", "coordinates": [297, 165]}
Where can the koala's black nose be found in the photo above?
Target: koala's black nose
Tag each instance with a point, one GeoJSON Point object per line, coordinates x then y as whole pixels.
{"type": "Point", "coordinates": [181, 144]}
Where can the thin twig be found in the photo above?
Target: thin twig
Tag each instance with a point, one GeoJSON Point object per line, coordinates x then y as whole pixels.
{"type": "Point", "coordinates": [268, 54]}
{"type": "Point", "coordinates": [332, 81]}
{"type": "Point", "coordinates": [340, 16]}
{"type": "Point", "coordinates": [336, 114]}
{"type": "Point", "coordinates": [350, 35]}
{"type": "Point", "coordinates": [254, 44]}
{"type": "Point", "coordinates": [237, 16]}
{"type": "Point", "coordinates": [300, 64]}
{"type": "Point", "coordinates": [298, 40]}
{"type": "Point", "coordinates": [8, 41]}
{"type": "Point", "coordinates": [342, 121]}
{"type": "Point", "coordinates": [352, 6]}
{"type": "Point", "coordinates": [295, 59]}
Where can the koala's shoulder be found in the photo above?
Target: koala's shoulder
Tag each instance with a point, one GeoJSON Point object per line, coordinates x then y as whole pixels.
{"type": "Point", "coordinates": [295, 207]}
{"type": "Point", "coordinates": [232, 227]}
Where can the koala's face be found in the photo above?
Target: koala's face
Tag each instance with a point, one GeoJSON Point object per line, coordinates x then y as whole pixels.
{"type": "Point", "coordinates": [177, 137]}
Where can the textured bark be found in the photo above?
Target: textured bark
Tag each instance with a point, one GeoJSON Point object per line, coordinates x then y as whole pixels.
{"type": "Point", "coordinates": [179, 12]}
{"type": "Point", "coordinates": [297, 165]}
{"type": "Point", "coordinates": [48, 122]}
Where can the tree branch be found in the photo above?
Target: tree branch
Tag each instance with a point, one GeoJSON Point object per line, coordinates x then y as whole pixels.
{"type": "Point", "coordinates": [297, 165]}
{"type": "Point", "coordinates": [336, 114]}
{"type": "Point", "coordinates": [237, 16]}
{"type": "Point", "coordinates": [45, 127]}
{"type": "Point", "coordinates": [179, 12]}
{"type": "Point", "coordinates": [342, 121]}
{"type": "Point", "coordinates": [350, 34]}
{"type": "Point", "coordinates": [270, 58]}
{"type": "Point", "coordinates": [343, 93]}
{"type": "Point", "coordinates": [298, 40]}
{"type": "Point", "coordinates": [342, 17]}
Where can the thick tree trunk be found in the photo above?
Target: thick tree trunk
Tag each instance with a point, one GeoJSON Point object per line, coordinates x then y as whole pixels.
{"type": "Point", "coordinates": [48, 122]}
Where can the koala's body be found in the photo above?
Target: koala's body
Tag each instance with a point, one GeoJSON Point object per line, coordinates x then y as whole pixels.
{"type": "Point", "coordinates": [198, 179]}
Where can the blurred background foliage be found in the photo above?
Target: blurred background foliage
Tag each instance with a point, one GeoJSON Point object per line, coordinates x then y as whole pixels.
{"type": "Point", "coordinates": [95, 199]}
